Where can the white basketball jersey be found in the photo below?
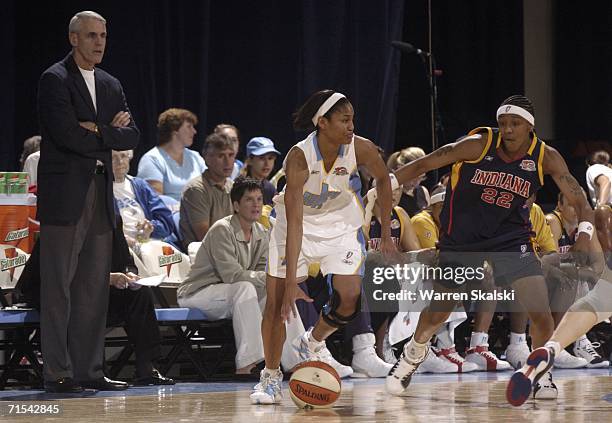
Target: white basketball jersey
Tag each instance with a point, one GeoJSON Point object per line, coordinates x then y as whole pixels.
{"type": "Point", "coordinates": [332, 201]}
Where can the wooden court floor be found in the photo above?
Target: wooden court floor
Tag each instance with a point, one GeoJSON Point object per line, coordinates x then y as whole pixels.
{"type": "Point", "coordinates": [584, 396]}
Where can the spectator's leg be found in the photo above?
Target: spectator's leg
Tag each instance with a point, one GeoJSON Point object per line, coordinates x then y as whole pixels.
{"type": "Point", "coordinates": [246, 319]}
{"type": "Point", "coordinates": [137, 310]}
{"type": "Point", "coordinates": [237, 301]}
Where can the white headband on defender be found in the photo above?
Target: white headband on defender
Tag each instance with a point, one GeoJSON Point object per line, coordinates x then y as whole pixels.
{"type": "Point", "coordinates": [509, 109]}
{"type": "Point", "coordinates": [328, 104]}
{"type": "Point", "coordinates": [437, 198]}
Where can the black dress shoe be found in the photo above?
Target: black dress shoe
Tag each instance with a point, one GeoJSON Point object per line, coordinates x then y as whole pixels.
{"type": "Point", "coordinates": [254, 374]}
{"type": "Point", "coordinates": [155, 378]}
{"type": "Point", "coordinates": [63, 385]}
{"type": "Point", "coordinates": [105, 384]}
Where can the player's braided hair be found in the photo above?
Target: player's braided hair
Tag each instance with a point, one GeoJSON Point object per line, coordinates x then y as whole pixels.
{"type": "Point", "coordinates": [520, 101]}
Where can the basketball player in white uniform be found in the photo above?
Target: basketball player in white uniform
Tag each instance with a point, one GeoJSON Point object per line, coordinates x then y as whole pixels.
{"type": "Point", "coordinates": [319, 218]}
{"type": "Point", "coordinates": [585, 313]}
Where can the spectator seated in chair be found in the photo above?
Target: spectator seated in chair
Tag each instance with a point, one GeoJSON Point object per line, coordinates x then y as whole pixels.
{"type": "Point", "coordinates": [129, 304]}
{"type": "Point", "coordinates": [170, 165]}
{"type": "Point", "coordinates": [206, 198]}
{"type": "Point", "coordinates": [227, 279]}
{"type": "Point", "coordinates": [261, 156]}
{"type": "Point", "coordinates": [148, 224]}
{"type": "Point", "coordinates": [232, 132]}
{"type": "Point", "coordinates": [144, 213]}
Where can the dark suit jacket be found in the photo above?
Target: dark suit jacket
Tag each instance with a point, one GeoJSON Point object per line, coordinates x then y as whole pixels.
{"type": "Point", "coordinates": [68, 152]}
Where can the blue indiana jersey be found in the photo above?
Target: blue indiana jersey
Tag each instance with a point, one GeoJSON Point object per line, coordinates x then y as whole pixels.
{"type": "Point", "coordinates": [484, 208]}
{"type": "Point", "coordinates": [567, 240]}
{"type": "Point", "coordinates": [397, 230]}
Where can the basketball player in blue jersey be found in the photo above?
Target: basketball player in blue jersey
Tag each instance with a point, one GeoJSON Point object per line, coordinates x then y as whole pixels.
{"type": "Point", "coordinates": [494, 172]}
{"type": "Point", "coordinates": [319, 219]}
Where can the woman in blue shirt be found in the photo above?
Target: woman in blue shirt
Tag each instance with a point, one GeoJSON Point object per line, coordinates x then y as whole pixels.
{"type": "Point", "coordinates": [170, 165]}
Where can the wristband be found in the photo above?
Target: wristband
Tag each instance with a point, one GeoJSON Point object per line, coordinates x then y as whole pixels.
{"type": "Point", "coordinates": [585, 227]}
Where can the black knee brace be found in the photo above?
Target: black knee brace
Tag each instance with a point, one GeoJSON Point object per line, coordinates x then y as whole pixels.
{"type": "Point", "coordinates": [331, 316]}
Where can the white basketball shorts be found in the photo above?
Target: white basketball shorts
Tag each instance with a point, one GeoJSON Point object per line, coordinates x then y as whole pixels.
{"type": "Point", "coordinates": [343, 255]}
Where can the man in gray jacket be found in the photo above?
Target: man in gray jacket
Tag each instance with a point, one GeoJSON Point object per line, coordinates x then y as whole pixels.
{"type": "Point", "coordinates": [227, 279]}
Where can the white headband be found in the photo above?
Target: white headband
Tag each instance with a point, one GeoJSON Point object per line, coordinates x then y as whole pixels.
{"type": "Point", "coordinates": [509, 109]}
{"type": "Point", "coordinates": [328, 104]}
{"type": "Point", "coordinates": [437, 198]}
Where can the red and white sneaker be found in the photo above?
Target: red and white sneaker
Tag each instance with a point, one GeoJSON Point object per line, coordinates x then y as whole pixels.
{"type": "Point", "coordinates": [450, 354]}
{"type": "Point", "coordinates": [434, 364]}
{"type": "Point", "coordinates": [486, 360]}
{"type": "Point", "coordinates": [525, 379]}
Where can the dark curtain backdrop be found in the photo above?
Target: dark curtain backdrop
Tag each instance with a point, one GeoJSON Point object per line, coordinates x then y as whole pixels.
{"type": "Point", "coordinates": [254, 63]}
{"type": "Point", "coordinates": [583, 69]}
{"type": "Point", "coordinates": [247, 63]}
{"type": "Point", "coordinates": [478, 46]}
{"type": "Point", "coordinates": [583, 83]}
{"type": "Point", "coordinates": [8, 151]}
{"type": "Point", "coordinates": [158, 50]}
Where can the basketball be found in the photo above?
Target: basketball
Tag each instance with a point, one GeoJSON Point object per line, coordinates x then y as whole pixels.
{"type": "Point", "coordinates": [314, 384]}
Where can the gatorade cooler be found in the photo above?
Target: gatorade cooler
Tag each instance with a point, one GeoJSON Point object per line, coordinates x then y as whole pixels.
{"type": "Point", "coordinates": [14, 212]}
{"type": "Point", "coordinates": [12, 261]}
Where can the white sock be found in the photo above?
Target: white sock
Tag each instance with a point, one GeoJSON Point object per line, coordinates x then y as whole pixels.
{"type": "Point", "coordinates": [517, 338]}
{"type": "Point", "coordinates": [415, 351]}
{"type": "Point", "coordinates": [479, 338]}
{"type": "Point", "coordinates": [445, 340]}
{"type": "Point", "coordinates": [555, 346]}
{"type": "Point", "coordinates": [272, 372]}
{"type": "Point", "coordinates": [313, 342]}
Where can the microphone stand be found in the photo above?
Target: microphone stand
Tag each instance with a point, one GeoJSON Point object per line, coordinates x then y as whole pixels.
{"type": "Point", "coordinates": [437, 129]}
{"type": "Point", "coordinates": [429, 63]}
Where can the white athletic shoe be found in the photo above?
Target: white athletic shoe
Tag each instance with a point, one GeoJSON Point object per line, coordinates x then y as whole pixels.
{"type": "Point", "coordinates": [452, 356]}
{"type": "Point", "coordinates": [586, 350]}
{"type": "Point", "coordinates": [326, 356]}
{"type": "Point", "coordinates": [435, 364]}
{"type": "Point", "coordinates": [486, 360]}
{"type": "Point", "coordinates": [307, 351]}
{"type": "Point", "coordinates": [516, 354]}
{"type": "Point", "coordinates": [545, 389]}
{"type": "Point", "coordinates": [366, 363]}
{"type": "Point", "coordinates": [268, 390]}
{"type": "Point", "coordinates": [567, 361]}
{"type": "Point", "coordinates": [399, 377]}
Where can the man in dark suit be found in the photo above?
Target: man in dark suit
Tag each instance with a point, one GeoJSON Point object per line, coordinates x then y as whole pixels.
{"type": "Point", "coordinates": [83, 116]}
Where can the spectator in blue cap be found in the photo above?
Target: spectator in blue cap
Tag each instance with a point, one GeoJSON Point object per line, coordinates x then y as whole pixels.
{"type": "Point", "coordinates": [261, 156]}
